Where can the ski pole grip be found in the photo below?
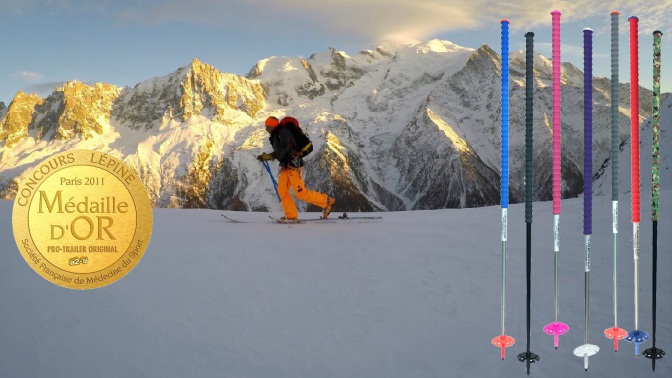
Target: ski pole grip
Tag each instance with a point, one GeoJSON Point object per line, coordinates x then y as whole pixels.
{"type": "Point", "coordinates": [529, 109]}
{"type": "Point", "coordinates": [587, 131]}
{"type": "Point", "coordinates": [655, 128]}
{"type": "Point", "coordinates": [634, 119]}
{"type": "Point", "coordinates": [557, 125]}
{"type": "Point", "coordinates": [615, 139]}
{"type": "Point", "coordinates": [504, 191]}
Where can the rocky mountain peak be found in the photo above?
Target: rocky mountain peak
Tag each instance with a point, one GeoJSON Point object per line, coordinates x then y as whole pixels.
{"type": "Point", "coordinates": [396, 127]}
{"type": "Point", "coordinates": [543, 69]}
{"type": "Point", "coordinates": [76, 109]}
{"type": "Point", "coordinates": [18, 117]}
{"type": "Point", "coordinates": [198, 89]}
{"type": "Point", "coordinates": [206, 89]}
{"type": "Point", "coordinates": [485, 52]}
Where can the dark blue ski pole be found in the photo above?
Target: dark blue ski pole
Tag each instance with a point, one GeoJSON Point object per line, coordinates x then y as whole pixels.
{"type": "Point", "coordinates": [275, 183]}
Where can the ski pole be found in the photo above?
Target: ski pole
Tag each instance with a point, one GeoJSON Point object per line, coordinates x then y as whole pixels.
{"type": "Point", "coordinates": [655, 353]}
{"type": "Point", "coordinates": [275, 183]}
{"type": "Point", "coordinates": [556, 328]}
{"type": "Point", "coordinates": [615, 332]}
{"type": "Point", "coordinates": [528, 357]}
{"type": "Point", "coordinates": [637, 336]}
{"type": "Point", "coordinates": [586, 350]}
{"type": "Point", "coordinates": [503, 341]}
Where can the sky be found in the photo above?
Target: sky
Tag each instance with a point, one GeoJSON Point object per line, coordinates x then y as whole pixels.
{"type": "Point", "coordinates": [123, 42]}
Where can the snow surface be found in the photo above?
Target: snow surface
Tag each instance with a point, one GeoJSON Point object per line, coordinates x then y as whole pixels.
{"type": "Point", "coordinates": [414, 295]}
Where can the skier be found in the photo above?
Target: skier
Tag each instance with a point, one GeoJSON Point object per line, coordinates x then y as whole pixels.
{"type": "Point", "coordinates": [291, 165]}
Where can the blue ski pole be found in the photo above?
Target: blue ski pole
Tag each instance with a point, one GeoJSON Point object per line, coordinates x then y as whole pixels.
{"type": "Point", "coordinates": [275, 183]}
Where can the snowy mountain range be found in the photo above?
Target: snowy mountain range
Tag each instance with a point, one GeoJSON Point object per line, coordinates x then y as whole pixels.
{"type": "Point", "coordinates": [396, 127]}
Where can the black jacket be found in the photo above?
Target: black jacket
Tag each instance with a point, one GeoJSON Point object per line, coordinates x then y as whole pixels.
{"type": "Point", "coordinates": [283, 143]}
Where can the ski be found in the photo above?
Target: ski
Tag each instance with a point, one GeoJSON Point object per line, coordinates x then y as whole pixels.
{"type": "Point", "coordinates": [233, 220]}
{"type": "Point", "coordinates": [278, 220]}
{"type": "Point", "coordinates": [302, 221]}
{"type": "Point", "coordinates": [343, 217]}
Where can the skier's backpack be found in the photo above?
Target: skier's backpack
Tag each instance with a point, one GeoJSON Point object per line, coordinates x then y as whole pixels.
{"type": "Point", "coordinates": [303, 144]}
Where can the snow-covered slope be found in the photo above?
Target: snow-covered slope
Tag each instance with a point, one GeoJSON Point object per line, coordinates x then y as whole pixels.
{"type": "Point", "coordinates": [414, 295]}
{"type": "Point", "coordinates": [395, 127]}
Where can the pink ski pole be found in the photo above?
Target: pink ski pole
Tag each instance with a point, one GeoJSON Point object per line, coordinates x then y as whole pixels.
{"type": "Point", "coordinates": [556, 328]}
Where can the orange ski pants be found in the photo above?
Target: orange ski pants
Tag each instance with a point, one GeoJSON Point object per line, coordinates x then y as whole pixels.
{"type": "Point", "coordinates": [291, 178]}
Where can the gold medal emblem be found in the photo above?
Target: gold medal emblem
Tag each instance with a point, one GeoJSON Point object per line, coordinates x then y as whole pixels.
{"type": "Point", "coordinates": [82, 219]}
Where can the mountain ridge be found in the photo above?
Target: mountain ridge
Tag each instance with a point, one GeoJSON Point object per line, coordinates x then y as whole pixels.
{"type": "Point", "coordinates": [397, 127]}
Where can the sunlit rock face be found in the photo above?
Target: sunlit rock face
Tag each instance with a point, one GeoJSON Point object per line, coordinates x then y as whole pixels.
{"type": "Point", "coordinates": [395, 127]}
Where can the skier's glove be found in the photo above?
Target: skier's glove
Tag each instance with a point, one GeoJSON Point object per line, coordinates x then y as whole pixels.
{"type": "Point", "coordinates": [264, 156]}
